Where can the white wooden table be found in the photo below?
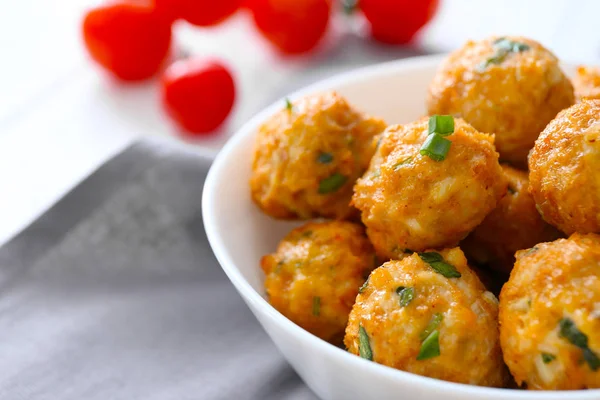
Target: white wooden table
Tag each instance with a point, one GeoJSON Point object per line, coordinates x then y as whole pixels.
{"type": "Point", "coordinates": [60, 119]}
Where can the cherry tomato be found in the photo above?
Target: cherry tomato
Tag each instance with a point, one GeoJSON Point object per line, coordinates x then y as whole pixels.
{"type": "Point", "coordinates": [198, 94]}
{"type": "Point", "coordinates": [130, 40]}
{"type": "Point", "coordinates": [397, 21]}
{"type": "Point", "coordinates": [198, 12]}
{"type": "Point", "coordinates": [293, 26]}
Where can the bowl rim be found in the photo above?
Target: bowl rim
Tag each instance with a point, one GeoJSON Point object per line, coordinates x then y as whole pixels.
{"type": "Point", "coordinates": [253, 297]}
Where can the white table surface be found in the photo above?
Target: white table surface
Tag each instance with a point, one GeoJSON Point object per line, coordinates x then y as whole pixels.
{"type": "Point", "coordinates": [60, 118]}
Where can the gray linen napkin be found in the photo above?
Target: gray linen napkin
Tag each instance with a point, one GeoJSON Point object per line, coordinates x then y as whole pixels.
{"type": "Point", "coordinates": [114, 293]}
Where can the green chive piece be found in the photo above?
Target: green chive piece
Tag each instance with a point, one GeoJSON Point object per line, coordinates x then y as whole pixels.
{"type": "Point", "coordinates": [532, 250]}
{"type": "Point", "coordinates": [349, 6]}
{"type": "Point", "coordinates": [332, 184]}
{"type": "Point", "coordinates": [364, 347]}
{"type": "Point", "coordinates": [436, 261]}
{"type": "Point", "coordinates": [569, 331]}
{"type": "Point", "coordinates": [325, 158]}
{"type": "Point", "coordinates": [510, 46]}
{"type": "Point", "coordinates": [503, 48]}
{"type": "Point", "coordinates": [520, 47]}
{"type": "Point", "coordinates": [548, 358]}
{"type": "Point", "coordinates": [279, 266]}
{"type": "Point", "coordinates": [433, 324]}
{"type": "Point", "coordinates": [316, 306]}
{"type": "Point", "coordinates": [436, 147]}
{"type": "Point", "coordinates": [376, 173]}
{"type": "Point", "coordinates": [430, 347]}
{"type": "Point", "coordinates": [592, 359]}
{"type": "Point", "coordinates": [397, 166]}
{"type": "Point", "coordinates": [406, 294]}
{"type": "Point", "coordinates": [364, 286]}
{"type": "Point", "coordinates": [441, 124]}
{"type": "Point", "coordinates": [288, 105]}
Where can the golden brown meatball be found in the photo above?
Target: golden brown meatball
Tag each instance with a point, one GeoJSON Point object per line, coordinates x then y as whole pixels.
{"type": "Point", "coordinates": [409, 201]}
{"type": "Point", "coordinates": [514, 225]}
{"type": "Point", "coordinates": [510, 86]}
{"type": "Point", "coordinates": [430, 315]}
{"type": "Point", "coordinates": [587, 83]}
{"type": "Point", "coordinates": [550, 315]}
{"type": "Point", "coordinates": [315, 274]}
{"type": "Point", "coordinates": [308, 156]}
{"type": "Point", "coordinates": [563, 169]}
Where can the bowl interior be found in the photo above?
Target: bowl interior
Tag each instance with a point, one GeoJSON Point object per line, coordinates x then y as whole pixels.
{"type": "Point", "coordinates": [240, 234]}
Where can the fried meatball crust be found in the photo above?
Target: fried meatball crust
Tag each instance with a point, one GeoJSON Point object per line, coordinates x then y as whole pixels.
{"type": "Point", "coordinates": [553, 293]}
{"type": "Point", "coordinates": [315, 274]}
{"type": "Point", "coordinates": [462, 312]}
{"type": "Point", "coordinates": [410, 202]}
{"type": "Point", "coordinates": [515, 224]}
{"type": "Point", "coordinates": [563, 169]}
{"type": "Point", "coordinates": [514, 96]}
{"type": "Point", "coordinates": [587, 82]}
{"type": "Point", "coordinates": [308, 156]}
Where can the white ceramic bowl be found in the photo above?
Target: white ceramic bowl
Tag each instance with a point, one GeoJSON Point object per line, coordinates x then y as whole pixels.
{"type": "Point", "coordinates": [240, 235]}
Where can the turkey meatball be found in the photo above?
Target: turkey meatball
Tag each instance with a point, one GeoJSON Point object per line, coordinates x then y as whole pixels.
{"type": "Point", "coordinates": [411, 202]}
{"type": "Point", "coordinates": [308, 156]}
{"type": "Point", "coordinates": [510, 86]}
{"type": "Point", "coordinates": [563, 169]}
{"type": "Point", "coordinates": [514, 225]}
{"type": "Point", "coordinates": [550, 315]}
{"type": "Point", "coordinates": [430, 315]}
{"type": "Point", "coordinates": [587, 83]}
{"type": "Point", "coordinates": [315, 274]}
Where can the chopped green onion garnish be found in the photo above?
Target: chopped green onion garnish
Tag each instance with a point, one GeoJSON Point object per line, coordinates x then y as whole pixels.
{"type": "Point", "coordinates": [403, 162]}
{"type": "Point", "coordinates": [376, 173]}
{"type": "Point", "coordinates": [436, 261]}
{"type": "Point", "coordinates": [510, 46]}
{"type": "Point", "coordinates": [548, 358]}
{"type": "Point", "coordinates": [364, 286]}
{"type": "Point", "coordinates": [349, 6]}
{"type": "Point", "coordinates": [436, 147]}
{"type": "Point", "coordinates": [406, 295]}
{"type": "Point", "coordinates": [503, 48]}
{"type": "Point", "coordinates": [316, 306]}
{"type": "Point", "coordinates": [278, 266]}
{"type": "Point", "coordinates": [332, 183]}
{"type": "Point", "coordinates": [441, 124]}
{"type": "Point", "coordinates": [364, 347]}
{"type": "Point", "coordinates": [592, 359]}
{"type": "Point", "coordinates": [520, 47]}
{"type": "Point", "coordinates": [436, 320]}
{"type": "Point", "coordinates": [569, 331]}
{"type": "Point", "coordinates": [532, 250]}
{"type": "Point", "coordinates": [288, 105]}
{"type": "Point", "coordinates": [325, 158]}
{"type": "Point", "coordinates": [430, 347]}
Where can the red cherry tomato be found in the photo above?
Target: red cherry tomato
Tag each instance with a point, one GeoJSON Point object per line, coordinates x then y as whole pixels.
{"type": "Point", "coordinates": [198, 12]}
{"type": "Point", "coordinates": [198, 94]}
{"type": "Point", "coordinates": [293, 26]}
{"type": "Point", "coordinates": [397, 21]}
{"type": "Point", "coordinates": [130, 40]}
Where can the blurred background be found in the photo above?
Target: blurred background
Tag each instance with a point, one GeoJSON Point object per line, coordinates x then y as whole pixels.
{"type": "Point", "coordinates": [62, 115]}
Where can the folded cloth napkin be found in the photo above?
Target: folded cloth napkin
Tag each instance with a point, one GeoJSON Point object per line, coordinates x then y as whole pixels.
{"type": "Point", "coordinates": [114, 293]}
